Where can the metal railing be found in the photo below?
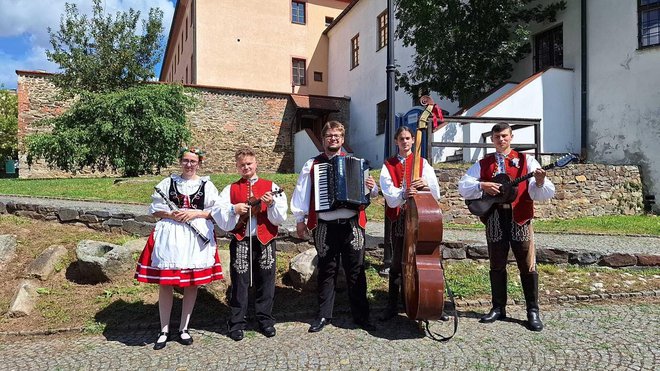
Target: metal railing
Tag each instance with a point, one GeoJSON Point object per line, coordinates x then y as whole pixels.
{"type": "Point", "coordinates": [515, 123]}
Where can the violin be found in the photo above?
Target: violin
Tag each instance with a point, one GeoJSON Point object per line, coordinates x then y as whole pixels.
{"type": "Point", "coordinates": [255, 206]}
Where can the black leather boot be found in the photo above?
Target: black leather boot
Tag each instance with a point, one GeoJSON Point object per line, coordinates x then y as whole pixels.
{"type": "Point", "coordinates": [498, 292]}
{"type": "Point", "coordinates": [530, 285]}
{"type": "Point", "coordinates": [392, 309]}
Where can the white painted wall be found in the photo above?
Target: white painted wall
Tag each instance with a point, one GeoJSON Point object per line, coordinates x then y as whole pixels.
{"type": "Point", "coordinates": [623, 92]}
{"type": "Point", "coordinates": [367, 83]}
{"type": "Point", "coordinates": [547, 97]}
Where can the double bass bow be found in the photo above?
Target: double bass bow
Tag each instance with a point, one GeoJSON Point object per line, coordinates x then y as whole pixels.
{"type": "Point", "coordinates": [423, 276]}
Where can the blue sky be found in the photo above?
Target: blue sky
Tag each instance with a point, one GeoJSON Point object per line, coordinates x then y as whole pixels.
{"type": "Point", "coordinates": [24, 30]}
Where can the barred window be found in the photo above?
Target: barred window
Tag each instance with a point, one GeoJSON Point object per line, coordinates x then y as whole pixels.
{"type": "Point", "coordinates": [298, 12]}
{"type": "Point", "coordinates": [549, 49]}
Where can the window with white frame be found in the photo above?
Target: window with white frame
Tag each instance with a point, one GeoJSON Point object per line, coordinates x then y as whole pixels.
{"type": "Point", "coordinates": [382, 30]}
{"type": "Point", "coordinates": [298, 12]}
{"type": "Point", "coordinates": [355, 51]}
{"type": "Point", "coordinates": [298, 71]}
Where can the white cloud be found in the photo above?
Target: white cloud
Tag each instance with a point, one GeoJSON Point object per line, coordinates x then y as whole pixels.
{"type": "Point", "coordinates": [19, 18]}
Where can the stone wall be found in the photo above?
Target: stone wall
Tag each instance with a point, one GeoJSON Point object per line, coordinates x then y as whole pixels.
{"type": "Point", "coordinates": [223, 120]}
{"type": "Point", "coordinates": [582, 190]}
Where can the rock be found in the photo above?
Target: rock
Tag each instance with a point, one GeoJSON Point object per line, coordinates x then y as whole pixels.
{"type": "Point", "coordinates": [302, 269]}
{"type": "Point", "coordinates": [67, 215]}
{"type": "Point", "coordinates": [146, 218]}
{"type": "Point", "coordinates": [551, 256]}
{"type": "Point", "coordinates": [618, 260]}
{"type": "Point", "coordinates": [136, 246]}
{"type": "Point", "coordinates": [477, 251]}
{"type": "Point", "coordinates": [583, 257]}
{"type": "Point", "coordinates": [7, 248]}
{"type": "Point", "coordinates": [44, 265]}
{"type": "Point", "coordinates": [24, 300]}
{"type": "Point", "coordinates": [137, 228]}
{"type": "Point", "coordinates": [102, 261]}
{"type": "Point", "coordinates": [648, 260]}
{"type": "Point", "coordinates": [453, 252]}
{"type": "Point", "coordinates": [3, 208]}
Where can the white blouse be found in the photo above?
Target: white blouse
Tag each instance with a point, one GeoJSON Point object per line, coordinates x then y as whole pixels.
{"type": "Point", "coordinates": [176, 246]}
{"type": "Point", "coordinates": [394, 196]}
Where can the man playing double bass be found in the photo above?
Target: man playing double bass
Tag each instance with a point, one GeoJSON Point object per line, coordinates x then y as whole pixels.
{"type": "Point", "coordinates": [398, 184]}
{"type": "Point", "coordinates": [509, 225]}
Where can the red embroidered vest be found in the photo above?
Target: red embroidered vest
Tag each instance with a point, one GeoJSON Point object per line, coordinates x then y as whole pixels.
{"type": "Point", "coordinates": [239, 193]}
{"type": "Point", "coordinates": [523, 206]}
{"type": "Point", "coordinates": [395, 168]}
{"type": "Point", "coordinates": [312, 218]}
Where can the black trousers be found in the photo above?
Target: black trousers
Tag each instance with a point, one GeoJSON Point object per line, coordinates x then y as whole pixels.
{"type": "Point", "coordinates": [502, 234]}
{"type": "Point", "coordinates": [263, 273]}
{"type": "Point", "coordinates": [341, 241]}
{"type": "Point", "coordinates": [397, 231]}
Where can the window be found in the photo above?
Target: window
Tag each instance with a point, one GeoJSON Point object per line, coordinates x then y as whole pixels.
{"type": "Point", "coordinates": [328, 21]}
{"type": "Point", "coordinates": [298, 12]}
{"type": "Point", "coordinates": [298, 68]}
{"type": "Point", "coordinates": [382, 30]}
{"type": "Point", "coordinates": [355, 51]}
{"type": "Point", "coordinates": [649, 22]}
{"type": "Point", "coordinates": [318, 76]}
{"type": "Point", "coordinates": [549, 49]}
{"type": "Point", "coordinates": [381, 117]}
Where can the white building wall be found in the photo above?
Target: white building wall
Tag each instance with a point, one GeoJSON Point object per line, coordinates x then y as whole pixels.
{"type": "Point", "coordinates": [623, 92]}
{"type": "Point", "coordinates": [366, 84]}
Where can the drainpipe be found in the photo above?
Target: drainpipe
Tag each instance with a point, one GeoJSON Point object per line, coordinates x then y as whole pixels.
{"type": "Point", "coordinates": [583, 78]}
{"type": "Point", "coordinates": [389, 124]}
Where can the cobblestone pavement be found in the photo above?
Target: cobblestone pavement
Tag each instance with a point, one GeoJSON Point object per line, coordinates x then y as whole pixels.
{"type": "Point", "coordinates": [604, 336]}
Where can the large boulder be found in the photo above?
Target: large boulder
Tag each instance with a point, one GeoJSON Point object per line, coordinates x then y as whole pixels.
{"type": "Point", "coordinates": [103, 261]}
{"type": "Point", "coordinates": [302, 269]}
{"type": "Point", "coordinates": [7, 249]}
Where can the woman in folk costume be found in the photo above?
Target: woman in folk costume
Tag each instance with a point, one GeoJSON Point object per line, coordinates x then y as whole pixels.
{"type": "Point", "coordinates": [398, 183]}
{"type": "Point", "coordinates": [176, 253]}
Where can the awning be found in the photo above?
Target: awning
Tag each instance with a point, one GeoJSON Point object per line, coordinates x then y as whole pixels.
{"type": "Point", "coordinates": [315, 103]}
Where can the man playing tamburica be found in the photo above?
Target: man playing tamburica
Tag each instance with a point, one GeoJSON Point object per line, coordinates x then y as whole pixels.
{"type": "Point", "coordinates": [509, 225]}
{"type": "Point", "coordinates": [338, 236]}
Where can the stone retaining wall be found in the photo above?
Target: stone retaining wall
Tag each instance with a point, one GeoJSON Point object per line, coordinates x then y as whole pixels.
{"type": "Point", "coordinates": [142, 225]}
{"type": "Point", "coordinates": [581, 190]}
{"type": "Point", "coordinates": [223, 120]}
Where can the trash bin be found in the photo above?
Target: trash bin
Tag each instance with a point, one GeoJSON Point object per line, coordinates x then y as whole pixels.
{"type": "Point", "coordinates": [10, 167]}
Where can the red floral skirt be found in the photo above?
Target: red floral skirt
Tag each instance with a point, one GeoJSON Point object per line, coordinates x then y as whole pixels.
{"type": "Point", "coordinates": [174, 277]}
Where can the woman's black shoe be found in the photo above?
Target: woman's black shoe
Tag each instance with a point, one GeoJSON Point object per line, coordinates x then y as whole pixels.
{"type": "Point", "coordinates": [161, 345]}
{"type": "Point", "coordinates": [183, 341]}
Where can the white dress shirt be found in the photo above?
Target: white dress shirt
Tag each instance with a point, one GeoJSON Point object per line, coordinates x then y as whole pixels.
{"type": "Point", "coordinates": [394, 196]}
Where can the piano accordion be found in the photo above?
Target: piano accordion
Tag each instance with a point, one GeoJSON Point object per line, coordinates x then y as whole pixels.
{"type": "Point", "coordinates": [341, 183]}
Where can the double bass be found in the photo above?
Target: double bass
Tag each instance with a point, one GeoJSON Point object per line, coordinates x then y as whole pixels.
{"type": "Point", "coordinates": [423, 276]}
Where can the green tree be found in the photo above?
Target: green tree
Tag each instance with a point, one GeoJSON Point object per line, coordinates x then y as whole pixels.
{"type": "Point", "coordinates": [137, 130]}
{"type": "Point", "coordinates": [465, 48]}
{"type": "Point", "coordinates": [103, 53]}
{"type": "Point", "coordinates": [8, 123]}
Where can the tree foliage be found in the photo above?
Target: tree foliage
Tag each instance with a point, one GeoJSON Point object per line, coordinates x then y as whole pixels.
{"type": "Point", "coordinates": [103, 53]}
{"type": "Point", "coordinates": [466, 47]}
{"type": "Point", "coordinates": [8, 123]}
{"type": "Point", "coordinates": [137, 130]}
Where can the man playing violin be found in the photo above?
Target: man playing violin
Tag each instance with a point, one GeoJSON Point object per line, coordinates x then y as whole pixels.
{"type": "Point", "coordinates": [509, 224]}
{"type": "Point", "coordinates": [254, 195]}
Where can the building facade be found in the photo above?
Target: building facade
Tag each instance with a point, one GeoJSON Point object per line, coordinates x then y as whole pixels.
{"type": "Point", "coordinates": [266, 45]}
